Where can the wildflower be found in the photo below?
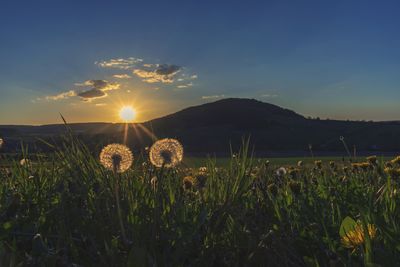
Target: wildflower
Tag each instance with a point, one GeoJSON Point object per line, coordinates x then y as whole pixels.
{"type": "Point", "coordinates": [116, 157]}
{"type": "Point", "coordinates": [392, 172]}
{"type": "Point", "coordinates": [281, 171]}
{"type": "Point", "coordinates": [188, 182]}
{"type": "Point", "coordinates": [396, 160]}
{"type": "Point", "coordinates": [300, 163]}
{"type": "Point", "coordinates": [356, 237]}
{"type": "Point", "coordinates": [318, 164]}
{"type": "Point", "coordinates": [372, 160]}
{"type": "Point", "coordinates": [203, 169]}
{"type": "Point", "coordinates": [365, 166]}
{"type": "Point", "coordinates": [166, 153]}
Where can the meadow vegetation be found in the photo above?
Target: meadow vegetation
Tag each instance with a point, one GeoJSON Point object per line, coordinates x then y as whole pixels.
{"type": "Point", "coordinates": [69, 210]}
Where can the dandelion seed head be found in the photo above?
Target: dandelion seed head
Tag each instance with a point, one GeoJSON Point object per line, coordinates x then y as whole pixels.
{"type": "Point", "coordinates": [1, 142]}
{"type": "Point", "coordinates": [166, 153]}
{"type": "Point", "coordinates": [281, 171]}
{"type": "Point", "coordinates": [24, 162]}
{"type": "Point", "coordinates": [116, 157]}
{"type": "Point", "coordinates": [188, 182]}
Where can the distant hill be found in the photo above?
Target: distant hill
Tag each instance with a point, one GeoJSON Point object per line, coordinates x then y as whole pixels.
{"type": "Point", "coordinates": [213, 127]}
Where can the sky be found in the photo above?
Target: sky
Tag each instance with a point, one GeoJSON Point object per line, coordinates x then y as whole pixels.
{"type": "Point", "coordinates": [87, 59]}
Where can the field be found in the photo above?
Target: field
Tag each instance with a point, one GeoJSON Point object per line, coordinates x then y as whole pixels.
{"type": "Point", "coordinates": [68, 210]}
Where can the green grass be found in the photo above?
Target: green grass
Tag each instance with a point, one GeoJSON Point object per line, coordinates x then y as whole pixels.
{"type": "Point", "coordinates": [63, 210]}
{"type": "Point", "coordinates": [274, 161]}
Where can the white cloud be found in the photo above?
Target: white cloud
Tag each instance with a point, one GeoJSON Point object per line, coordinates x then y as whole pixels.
{"type": "Point", "coordinates": [100, 104]}
{"type": "Point", "coordinates": [122, 76]}
{"type": "Point", "coordinates": [182, 86]}
{"type": "Point", "coordinates": [100, 85]}
{"type": "Point", "coordinates": [60, 96]}
{"type": "Point", "coordinates": [212, 96]}
{"type": "Point", "coordinates": [160, 74]}
{"type": "Point", "coordinates": [120, 63]}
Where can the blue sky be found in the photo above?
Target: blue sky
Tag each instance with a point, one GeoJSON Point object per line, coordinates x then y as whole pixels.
{"type": "Point", "coordinates": [85, 59]}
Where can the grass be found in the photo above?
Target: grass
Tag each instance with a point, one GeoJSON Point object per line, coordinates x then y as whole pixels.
{"type": "Point", "coordinates": [62, 210]}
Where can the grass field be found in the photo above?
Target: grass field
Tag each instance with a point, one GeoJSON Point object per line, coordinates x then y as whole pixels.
{"type": "Point", "coordinates": [71, 211]}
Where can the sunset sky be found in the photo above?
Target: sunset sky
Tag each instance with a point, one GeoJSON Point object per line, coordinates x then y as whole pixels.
{"type": "Point", "coordinates": [87, 59]}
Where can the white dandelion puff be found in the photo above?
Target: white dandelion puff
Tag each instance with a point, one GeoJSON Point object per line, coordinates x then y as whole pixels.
{"type": "Point", "coordinates": [166, 153]}
{"type": "Point", "coordinates": [116, 157]}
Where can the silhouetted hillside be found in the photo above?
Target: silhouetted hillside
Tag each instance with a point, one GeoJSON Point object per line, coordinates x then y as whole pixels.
{"type": "Point", "coordinates": [214, 126]}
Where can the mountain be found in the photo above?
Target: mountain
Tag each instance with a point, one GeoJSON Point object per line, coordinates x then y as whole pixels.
{"type": "Point", "coordinates": [214, 127]}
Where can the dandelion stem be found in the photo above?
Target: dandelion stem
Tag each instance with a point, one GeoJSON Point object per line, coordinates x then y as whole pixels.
{"type": "Point", "coordinates": [119, 213]}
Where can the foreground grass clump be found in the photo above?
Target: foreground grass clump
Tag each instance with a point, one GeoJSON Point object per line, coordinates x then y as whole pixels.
{"type": "Point", "coordinates": [63, 211]}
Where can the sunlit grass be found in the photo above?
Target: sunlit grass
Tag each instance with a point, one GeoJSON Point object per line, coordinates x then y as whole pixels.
{"type": "Point", "coordinates": [62, 208]}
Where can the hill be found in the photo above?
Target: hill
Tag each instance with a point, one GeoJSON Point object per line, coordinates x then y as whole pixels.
{"type": "Point", "coordinates": [212, 127]}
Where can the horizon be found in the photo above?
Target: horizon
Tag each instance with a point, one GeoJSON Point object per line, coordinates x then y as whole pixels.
{"type": "Point", "coordinates": [177, 111]}
{"type": "Point", "coordinates": [87, 61]}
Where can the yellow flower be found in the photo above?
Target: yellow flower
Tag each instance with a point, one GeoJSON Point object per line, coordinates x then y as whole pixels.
{"type": "Point", "coordinates": [363, 165]}
{"type": "Point", "coordinates": [396, 160]}
{"type": "Point", "coordinates": [356, 237]}
{"type": "Point", "coordinates": [166, 153]}
{"type": "Point", "coordinates": [392, 172]}
{"type": "Point", "coordinates": [116, 157]}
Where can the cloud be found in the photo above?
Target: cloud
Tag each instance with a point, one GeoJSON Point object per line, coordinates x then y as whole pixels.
{"type": "Point", "coordinates": [122, 76]}
{"type": "Point", "coordinates": [182, 86]}
{"type": "Point", "coordinates": [100, 104]}
{"type": "Point", "coordinates": [98, 90]}
{"type": "Point", "coordinates": [92, 94]}
{"type": "Point", "coordinates": [64, 95]}
{"type": "Point", "coordinates": [120, 63]}
{"type": "Point", "coordinates": [163, 73]}
{"type": "Point", "coordinates": [148, 72]}
{"type": "Point", "coordinates": [102, 85]}
{"type": "Point", "coordinates": [212, 96]}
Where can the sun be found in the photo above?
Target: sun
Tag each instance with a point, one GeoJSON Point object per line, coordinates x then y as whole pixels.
{"type": "Point", "coordinates": [127, 113]}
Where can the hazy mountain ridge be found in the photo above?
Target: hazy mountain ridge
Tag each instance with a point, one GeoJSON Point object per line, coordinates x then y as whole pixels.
{"type": "Point", "coordinates": [212, 127]}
